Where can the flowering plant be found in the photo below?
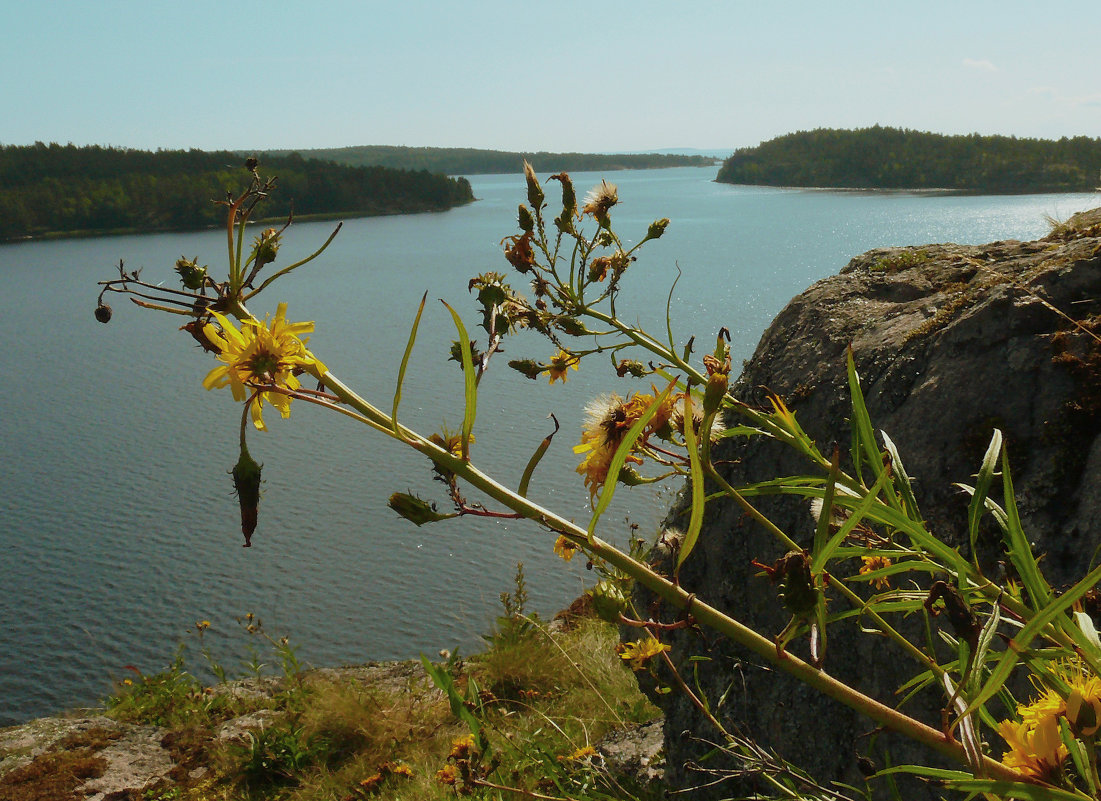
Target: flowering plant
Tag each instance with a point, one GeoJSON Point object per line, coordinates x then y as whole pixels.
{"type": "Point", "coordinates": [575, 263]}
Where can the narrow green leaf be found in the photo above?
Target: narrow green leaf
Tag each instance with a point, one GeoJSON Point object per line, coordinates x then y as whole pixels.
{"type": "Point", "coordinates": [442, 679]}
{"type": "Point", "coordinates": [536, 457]}
{"type": "Point", "coordinates": [903, 480]}
{"type": "Point", "coordinates": [471, 382]}
{"type": "Point", "coordinates": [1028, 633]}
{"type": "Point", "coordinates": [982, 488]}
{"type": "Point", "coordinates": [695, 520]}
{"type": "Point", "coordinates": [863, 433]}
{"type": "Point", "coordinates": [960, 780]}
{"type": "Point", "coordinates": [822, 530]}
{"type": "Point", "coordinates": [1018, 790]}
{"type": "Point", "coordinates": [405, 364]}
{"type": "Point", "coordinates": [857, 514]}
{"type": "Point", "coordinates": [1039, 591]}
{"type": "Point", "coordinates": [621, 454]}
{"type": "Point", "coordinates": [986, 636]}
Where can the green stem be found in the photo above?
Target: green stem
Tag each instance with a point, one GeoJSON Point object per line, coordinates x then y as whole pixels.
{"type": "Point", "coordinates": [675, 595]}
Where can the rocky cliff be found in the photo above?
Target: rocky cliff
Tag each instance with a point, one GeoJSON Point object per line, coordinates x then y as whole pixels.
{"type": "Point", "coordinates": [950, 342]}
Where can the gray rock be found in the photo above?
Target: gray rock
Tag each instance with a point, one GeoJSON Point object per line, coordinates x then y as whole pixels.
{"type": "Point", "coordinates": [950, 342]}
{"type": "Point", "coordinates": [134, 762]}
{"type": "Point", "coordinates": [635, 752]}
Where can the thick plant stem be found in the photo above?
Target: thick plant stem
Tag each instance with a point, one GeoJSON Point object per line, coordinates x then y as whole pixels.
{"type": "Point", "coordinates": [675, 595]}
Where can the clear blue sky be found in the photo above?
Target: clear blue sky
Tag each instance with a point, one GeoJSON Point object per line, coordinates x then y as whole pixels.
{"type": "Point", "coordinates": [554, 75]}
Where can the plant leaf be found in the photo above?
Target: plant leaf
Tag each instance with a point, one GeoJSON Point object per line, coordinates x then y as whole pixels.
{"type": "Point", "coordinates": [470, 383]}
{"type": "Point", "coordinates": [405, 364]}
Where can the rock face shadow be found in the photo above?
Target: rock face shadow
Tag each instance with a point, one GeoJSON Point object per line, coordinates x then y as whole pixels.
{"type": "Point", "coordinates": [950, 342]}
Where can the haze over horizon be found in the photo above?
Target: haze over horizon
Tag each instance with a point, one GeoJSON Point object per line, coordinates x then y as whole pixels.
{"type": "Point", "coordinates": [610, 77]}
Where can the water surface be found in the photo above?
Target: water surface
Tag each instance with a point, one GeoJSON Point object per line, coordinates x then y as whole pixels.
{"type": "Point", "coordinates": [120, 531]}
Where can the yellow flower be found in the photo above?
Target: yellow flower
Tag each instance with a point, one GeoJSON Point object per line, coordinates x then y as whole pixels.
{"type": "Point", "coordinates": [447, 775]}
{"type": "Point", "coordinates": [1036, 751]}
{"type": "Point", "coordinates": [608, 418]}
{"type": "Point", "coordinates": [872, 563]}
{"type": "Point", "coordinates": [642, 651]}
{"type": "Point", "coordinates": [585, 752]}
{"type": "Point", "coordinates": [461, 747]}
{"type": "Point", "coordinates": [403, 770]}
{"type": "Point", "coordinates": [1083, 704]}
{"type": "Point", "coordinates": [260, 354]}
{"type": "Point", "coordinates": [562, 362]}
{"type": "Point", "coordinates": [564, 548]}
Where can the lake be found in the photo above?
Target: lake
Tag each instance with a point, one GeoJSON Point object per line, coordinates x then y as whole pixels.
{"type": "Point", "coordinates": [120, 528]}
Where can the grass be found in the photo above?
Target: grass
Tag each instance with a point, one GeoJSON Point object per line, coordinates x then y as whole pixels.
{"type": "Point", "coordinates": [540, 699]}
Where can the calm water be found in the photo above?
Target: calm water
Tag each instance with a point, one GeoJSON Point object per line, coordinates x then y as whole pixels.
{"type": "Point", "coordinates": [119, 527]}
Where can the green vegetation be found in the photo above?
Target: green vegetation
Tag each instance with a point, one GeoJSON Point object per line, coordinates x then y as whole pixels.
{"type": "Point", "coordinates": [892, 158]}
{"type": "Point", "coordinates": [55, 189]}
{"type": "Point", "coordinates": [378, 731]}
{"type": "Point", "coordinates": [470, 161]}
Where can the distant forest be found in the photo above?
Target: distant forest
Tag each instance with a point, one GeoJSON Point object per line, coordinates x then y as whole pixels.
{"type": "Point", "coordinates": [892, 158]}
{"type": "Point", "coordinates": [55, 189]}
{"type": "Point", "coordinates": [469, 161]}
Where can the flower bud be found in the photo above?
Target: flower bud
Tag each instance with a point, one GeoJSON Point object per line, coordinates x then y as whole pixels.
{"type": "Point", "coordinates": [416, 510]}
{"type": "Point", "coordinates": [524, 218]}
{"type": "Point", "coordinates": [198, 331]}
{"type": "Point", "coordinates": [103, 313]}
{"type": "Point", "coordinates": [657, 228]}
{"type": "Point", "coordinates": [713, 396]}
{"type": "Point", "coordinates": [192, 276]}
{"type": "Point", "coordinates": [608, 601]}
{"type": "Point", "coordinates": [246, 481]}
{"type": "Point", "coordinates": [1083, 714]}
{"type": "Point", "coordinates": [527, 367]}
{"type": "Point", "coordinates": [635, 368]}
{"type": "Point", "coordinates": [265, 248]}
{"type": "Point", "coordinates": [535, 192]}
{"type": "Point", "coordinates": [572, 326]}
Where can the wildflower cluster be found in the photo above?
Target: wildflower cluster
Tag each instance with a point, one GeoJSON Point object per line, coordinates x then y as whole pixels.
{"type": "Point", "coordinates": [1040, 738]}
{"type": "Point", "coordinates": [863, 505]}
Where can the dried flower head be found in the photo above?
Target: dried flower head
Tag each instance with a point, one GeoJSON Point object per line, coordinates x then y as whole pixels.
{"type": "Point", "coordinates": [600, 199]}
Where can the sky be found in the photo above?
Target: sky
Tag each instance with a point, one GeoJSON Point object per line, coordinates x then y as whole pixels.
{"type": "Point", "coordinates": [559, 75]}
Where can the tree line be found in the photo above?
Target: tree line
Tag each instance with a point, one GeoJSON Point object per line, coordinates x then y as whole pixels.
{"type": "Point", "coordinates": [894, 158]}
{"type": "Point", "coordinates": [48, 189]}
{"type": "Point", "coordinates": [473, 161]}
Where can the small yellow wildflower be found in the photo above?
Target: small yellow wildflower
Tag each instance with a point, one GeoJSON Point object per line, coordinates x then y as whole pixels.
{"type": "Point", "coordinates": [642, 651]}
{"type": "Point", "coordinates": [585, 752]}
{"type": "Point", "coordinates": [1035, 751]}
{"type": "Point", "coordinates": [564, 548]}
{"type": "Point", "coordinates": [403, 770]}
{"type": "Point", "coordinates": [203, 625]}
{"type": "Point", "coordinates": [267, 353]}
{"type": "Point", "coordinates": [562, 362]}
{"type": "Point", "coordinates": [128, 682]}
{"type": "Point", "coordinates": [447, 775]}
{"type": "Point", "coordinates": [461, 747]}
{"type": "Point", "coordinates": [372, 783]}
{"type": "Point", "coordinates": [872, 563]}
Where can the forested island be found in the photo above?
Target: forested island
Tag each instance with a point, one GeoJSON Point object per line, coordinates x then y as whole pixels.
{"type": "Point", "coordinates": [471, 161]}
{"type": "Point", "coordinates": [62, 189]}
{"type": "Point", "coordinates": [893, 158]}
